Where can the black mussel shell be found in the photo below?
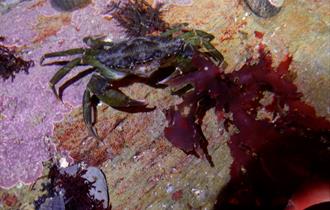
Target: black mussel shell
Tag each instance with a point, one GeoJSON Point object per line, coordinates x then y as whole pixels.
{"type": "Point", "coordinates": [265, 8]}
{"type": "Point", "coordinates": [69, 5]}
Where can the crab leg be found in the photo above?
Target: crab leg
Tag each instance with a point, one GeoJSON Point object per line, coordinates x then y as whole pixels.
{"type": "Point", "coordinates": [74, 79]}
{"type": "Point", "coordinates": [174, 29]}
{"type": "Point", "coordinates": [206, 38]}
{"type": "Point", "coordinates": [61, 53]}
{"type": "Point", "coordinates": [216, 55]}
{"type": "Point", "coordinates": [204, 35]}
{"type": "Point", "coordinates": [61, 73]}
{"type": "Point", "coordinates": [106, 72]}
{"type": "Point", "coordinates": [96, 43]}
{"type": "Point", "coordinates": [88, 113]}
{"type": "Point", "coordinates": [59, 63]}
{"type": "Point", "coordinates": [198, 37]}
{"type": "Point", "coordinates": [195, 37]}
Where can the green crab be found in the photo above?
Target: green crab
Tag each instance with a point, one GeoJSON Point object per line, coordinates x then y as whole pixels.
{"type": "Point", "coordinates": [140, 57]}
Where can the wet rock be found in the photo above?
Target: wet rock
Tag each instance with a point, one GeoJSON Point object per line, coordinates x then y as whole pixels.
{"type": "Point", "coordinates": [100, 187]}
{"type": "Point", "coordinates": [265, 8]}
{"type": "Point", "coordinates": [53, 203]}
{"type": "Point", "coordinates": [94, 175]}
{"type": "Point", "coordinates": [75, 187]}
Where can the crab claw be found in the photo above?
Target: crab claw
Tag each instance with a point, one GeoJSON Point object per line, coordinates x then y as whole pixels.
{"type": "Point", "coordinates": [118, 100]}
{"type": "Point", "coordinates": [89, 114]}
{"type": "Point", "coordinates": [100, 88]}
{"type": "Point", "coordinates": [74, 51]}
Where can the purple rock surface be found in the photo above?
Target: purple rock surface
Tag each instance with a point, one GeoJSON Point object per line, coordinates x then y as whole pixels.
{"type": "Point", "coordinates": [28, 108]}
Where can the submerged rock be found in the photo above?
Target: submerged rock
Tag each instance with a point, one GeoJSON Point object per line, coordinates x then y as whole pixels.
{"type": "Point", "coordinates": [6, 5]}
{"type": "Point", "coordinates": [75, 187]}
{"type": "Point", "coordinates": [56, 202]}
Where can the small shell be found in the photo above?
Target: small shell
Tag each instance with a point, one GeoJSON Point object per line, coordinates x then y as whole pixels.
{"type": "Point", "coordinates": [69, 5]}
{"type": "Point", "coordinates": [265, 8]}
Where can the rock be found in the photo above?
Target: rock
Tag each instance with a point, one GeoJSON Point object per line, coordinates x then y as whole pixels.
{"type": "Point", "coordinates": [99, 189]}
{"type": "Point", "coordinates": [265, 8]}
{"type": "Point", "coordinates": [53, 203]}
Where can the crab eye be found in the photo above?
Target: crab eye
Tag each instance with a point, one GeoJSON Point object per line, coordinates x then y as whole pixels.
{"type": "Point", "coordinates": [158, 54]}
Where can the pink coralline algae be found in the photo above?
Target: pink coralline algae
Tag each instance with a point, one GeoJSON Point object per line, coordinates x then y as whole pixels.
{"type": "Point", "coordinates": [28, 108]}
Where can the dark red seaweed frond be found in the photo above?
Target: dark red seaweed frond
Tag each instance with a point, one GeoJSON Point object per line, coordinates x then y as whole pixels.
{"type": "Point", "coordinates": [137, 17]}
{"type": "Point", "coordinates": [184, 129]}
{"type": "Point", "coordinates": [11, 64]}
{"type": "Point", "coordinates": [273, 156]}
{"type": "Point", "coordinates": [281, 143]}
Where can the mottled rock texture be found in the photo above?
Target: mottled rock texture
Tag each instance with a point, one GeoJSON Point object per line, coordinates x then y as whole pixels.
{"type": "Point", "coordinates": [143, 169]}
{"type": "Point", "coordinates": [28, 107]}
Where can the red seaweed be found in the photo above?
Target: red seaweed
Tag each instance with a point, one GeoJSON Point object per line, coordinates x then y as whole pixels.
{"type": "Point", "coordinates": [274, 152]}
{"type": "Point", "coordinates": [259, 34]}
{"type": "Point", "coordinates": [185, 134]}
{"type": "Point", "coordinates": [11, 64]}
{"type": "Point", "coordinates": [184, 129]}
{"type": "Point", "coordinates": [272, 158]}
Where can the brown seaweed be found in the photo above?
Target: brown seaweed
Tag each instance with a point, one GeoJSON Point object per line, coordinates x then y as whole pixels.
{"type": "Point", "coordinates": [137, 17]}
{"type": "Point", "coordinates": [10, 64]}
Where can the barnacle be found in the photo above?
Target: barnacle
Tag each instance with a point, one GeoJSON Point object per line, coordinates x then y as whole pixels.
{"type": "Point", "coordinates": [137, 17]}
{"type": "Point", "coordinates": [11, 64]}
